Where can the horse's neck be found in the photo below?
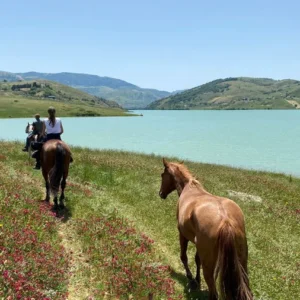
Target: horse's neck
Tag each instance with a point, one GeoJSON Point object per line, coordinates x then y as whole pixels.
{"type": "Point", "coordinates": [181, 183]}
{"type": "Point", "coordinates": [189, 184]}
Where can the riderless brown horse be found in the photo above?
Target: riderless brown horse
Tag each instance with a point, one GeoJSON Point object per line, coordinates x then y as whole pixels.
{"type": "Point", "coordinates": [216, 226]}
{"type": "Point", "coordinates": [55, 161]}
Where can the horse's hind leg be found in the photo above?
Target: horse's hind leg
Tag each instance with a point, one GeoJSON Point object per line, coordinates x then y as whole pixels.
{"type": "Point", "coordinates": [62, 195]}
{"type": "Point", "coordinates": [184, 259]}
{"type": "Point", "coordinates": [208, 272]}
{"type": "Point", "coordinates": [47, 191]}
{"type": "Point", "coordinates": [55, 202]}
{"type": "Point", "coordinates": [198, 264]}
{"type": "Point", "coordinates": [45, 175]}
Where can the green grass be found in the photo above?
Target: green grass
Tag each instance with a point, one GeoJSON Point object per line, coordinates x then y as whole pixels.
{"type": "Point", "coordinates": [103, 182]}
{"type": "Point", "coordinates": [69, 102]}
{"type": "Point", "coordinates": [21, 107]}
{"type": "Point", "coordinates": [235, 93]}
{"type": "Point", "coordinates": [33, 265]}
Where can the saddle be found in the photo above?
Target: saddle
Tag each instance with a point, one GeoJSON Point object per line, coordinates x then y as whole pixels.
{"type": "Point", "coordinates": [37, 145]}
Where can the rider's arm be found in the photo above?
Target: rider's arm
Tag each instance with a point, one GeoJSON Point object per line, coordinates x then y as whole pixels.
{"type": "Point", "coordinates": [61, 127]}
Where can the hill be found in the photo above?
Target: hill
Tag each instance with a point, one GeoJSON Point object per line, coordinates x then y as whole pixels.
{"type": "Point", "coordinates": [126, 94]}
{"type": "Point", "coordinates": [236, 93]}
{"type": "Point", "coordinates": [23, 98]}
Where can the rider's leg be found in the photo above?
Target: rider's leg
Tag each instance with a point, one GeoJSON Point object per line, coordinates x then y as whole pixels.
{"type": "Point", "coordinates": [38, 160]}
{"type": "Point", "coordinates": [27, 145]}
{"type": "Point", "coordinates": [37, 155]}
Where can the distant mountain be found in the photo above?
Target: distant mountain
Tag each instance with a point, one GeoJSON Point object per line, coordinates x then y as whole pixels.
{"type": "Point", "coordinates": [126, 94]}
{"type": "Point", "coordinates": [7, 76]}
{"type": "Point", "coordinates": [236, 93]}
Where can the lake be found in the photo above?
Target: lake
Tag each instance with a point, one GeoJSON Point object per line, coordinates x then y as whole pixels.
{"type": "Point", "coordinates": [253, 139]}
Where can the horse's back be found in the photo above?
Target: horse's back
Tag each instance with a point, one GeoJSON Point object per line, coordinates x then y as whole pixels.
{"type": "Point", "coordinates": [51, 145]}
{"type": "Point", "coordinates": [49, 154]}
{"type": "Point", "coordinates": [200, 215]}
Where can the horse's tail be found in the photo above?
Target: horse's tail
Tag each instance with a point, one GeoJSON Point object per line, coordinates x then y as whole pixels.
{"type": "Point", "coordinates": [56, 173]}
{"type": "Point", "coordinates": [233, 279]}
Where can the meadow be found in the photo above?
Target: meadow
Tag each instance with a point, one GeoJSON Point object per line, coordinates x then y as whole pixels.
{"type": "Point", "coordinates": [17, 106]}
{"type": "Point", "coordinates": [117, 239]}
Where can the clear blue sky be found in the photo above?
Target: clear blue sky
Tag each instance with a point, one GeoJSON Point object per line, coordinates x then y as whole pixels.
{"type": "Point", "coordinates": [161, 44]}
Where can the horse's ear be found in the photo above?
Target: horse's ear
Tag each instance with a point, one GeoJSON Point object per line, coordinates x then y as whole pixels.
{"type": "Point", "coordinates": [181, 162]}
{"type": "Point", "coordinates": [165, 162]}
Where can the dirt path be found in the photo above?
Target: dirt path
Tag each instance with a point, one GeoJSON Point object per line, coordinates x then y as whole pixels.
{"type": "Point", "coordinates": [78, 287]}
{"type": "Point", "coordinates": [294, 103]}
{"type": "Point", "coordinates": [79, 266]}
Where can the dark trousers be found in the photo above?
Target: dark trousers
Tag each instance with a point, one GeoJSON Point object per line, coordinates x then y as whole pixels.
{"type": "Point", "coordinates": [52, 136]}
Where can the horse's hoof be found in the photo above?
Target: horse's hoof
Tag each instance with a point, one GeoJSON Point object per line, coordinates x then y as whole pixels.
{"type": "Point", "coordinates": [61, 206]}
{"type": "Point", "coordinates": [193, 284]}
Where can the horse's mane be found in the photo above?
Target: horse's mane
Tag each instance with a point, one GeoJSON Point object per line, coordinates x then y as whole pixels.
{"type": "Point", "coordinates": [182, 173]}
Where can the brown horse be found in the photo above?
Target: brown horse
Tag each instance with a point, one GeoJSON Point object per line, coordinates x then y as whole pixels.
{"type": "Point", "coordinates": [55, 160]}
{"type": "Point", "coordinates": [216, 226]}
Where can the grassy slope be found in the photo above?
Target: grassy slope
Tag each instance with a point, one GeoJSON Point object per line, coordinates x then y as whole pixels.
{"type": "Point", "coordinates": [103, 181]}
{"type": "Point", "coordinates": [124, 93]}
{"type": "Point", "coordinates": [235, 93]}
{"type": "Point", "coordinates": [69, 102]}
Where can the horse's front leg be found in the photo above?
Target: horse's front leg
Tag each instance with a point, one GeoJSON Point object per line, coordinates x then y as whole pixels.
{"type": "Point", "coordinates": [184, 259]}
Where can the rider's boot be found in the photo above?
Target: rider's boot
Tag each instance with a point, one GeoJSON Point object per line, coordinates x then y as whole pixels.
{"type": "Point", "coordinates": [37, 155]}
{"type": "Point", "coordinates": [37, 164]}
{"type": "Point", "coordinates": [37, 167]}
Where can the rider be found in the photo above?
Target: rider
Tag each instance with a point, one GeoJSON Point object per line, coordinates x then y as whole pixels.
{"type": "Point", "coordinates": [53, 126]}
{"type": "Point", "coordinates": [37, 127]}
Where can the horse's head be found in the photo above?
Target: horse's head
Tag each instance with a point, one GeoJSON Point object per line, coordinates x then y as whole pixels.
{"type": "Point", "coordinates": [28, 127]}
{"type": "Point", "coordinates": [168, 184]}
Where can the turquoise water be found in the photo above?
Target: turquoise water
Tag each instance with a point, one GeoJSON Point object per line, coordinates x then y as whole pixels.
{"type": "Point", "coordinates": [261, 140]}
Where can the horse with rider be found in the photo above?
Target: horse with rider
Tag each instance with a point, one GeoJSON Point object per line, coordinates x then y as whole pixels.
{"type": "Point", "coordinates": [34, 132]}
{"type": "Point", "coordinates": [52, 154]}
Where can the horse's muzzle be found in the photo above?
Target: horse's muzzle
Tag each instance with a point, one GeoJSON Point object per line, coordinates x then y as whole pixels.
{"type": "Point", "coordinates": [161, 195]}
